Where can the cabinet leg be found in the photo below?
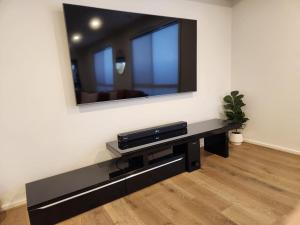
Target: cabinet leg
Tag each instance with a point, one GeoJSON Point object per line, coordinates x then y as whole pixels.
{"type": "Point", "coordinates": [217, 144]}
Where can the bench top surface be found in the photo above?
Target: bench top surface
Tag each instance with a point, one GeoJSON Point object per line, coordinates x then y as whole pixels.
{"type": "Point", "coordinates": [194, 130]}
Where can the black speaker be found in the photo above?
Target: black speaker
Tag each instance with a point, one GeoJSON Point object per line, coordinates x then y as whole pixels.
{"type": "Point", "coordinates": [142, 141]}
{"type": "Point", "coordinates": [193, 156]}
{"type": "Point", "coordinates": [152, 131]}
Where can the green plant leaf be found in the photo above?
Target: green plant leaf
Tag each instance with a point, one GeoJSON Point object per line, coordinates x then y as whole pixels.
{"type": "Point", "coordinates": [240, 96]}
{"type": "Point", "coordinates": [239, 103]}
{"type": "Point", "coordinates": [228, 99]}
{"type": "Point", "coordinates": [229, 106]}
{"type": "Point", "coordinates": [234, 93]}
{"type": "Point", "coordinates": [230, 115]}
{"type": "Point", "coordinates": [244, 120]}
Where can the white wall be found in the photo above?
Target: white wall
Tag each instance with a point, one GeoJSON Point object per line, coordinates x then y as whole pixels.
{"type": "Point", "coordinates": [228, 3]}
{"type": "Point", "coordinates": [43, 133]}
{"type": "Point", "coordinates": [266, 68]}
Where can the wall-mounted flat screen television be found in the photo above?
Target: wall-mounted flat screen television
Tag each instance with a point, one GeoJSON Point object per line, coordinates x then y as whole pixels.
{"type": "Point", "coordinates": [120, 55]}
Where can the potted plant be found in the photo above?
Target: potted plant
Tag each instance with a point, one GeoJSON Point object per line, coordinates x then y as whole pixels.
{"type": "Point", "coordinates": [233, 110]}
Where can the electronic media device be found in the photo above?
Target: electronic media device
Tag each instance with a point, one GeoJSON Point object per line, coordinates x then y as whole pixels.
{"type": "Point", "coordinates": [120, 55]}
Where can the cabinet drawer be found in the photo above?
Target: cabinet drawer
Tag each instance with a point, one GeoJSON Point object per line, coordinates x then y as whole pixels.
{"type": "Point", "coordinates": [79, 203]}
{"type": "Point", "coordinates": [62, 209]}
{"type": "Point", "coordinates": [155, 174]}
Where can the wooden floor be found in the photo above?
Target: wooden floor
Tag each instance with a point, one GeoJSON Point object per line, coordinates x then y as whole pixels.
{"type": "Point", "coordinates": [254, 186]}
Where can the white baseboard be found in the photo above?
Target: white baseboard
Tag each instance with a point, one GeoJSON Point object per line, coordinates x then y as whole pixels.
{"type": "Point", "coordinates": [275, 147]}
{"type": "Point", "coordinates": [10, 205]}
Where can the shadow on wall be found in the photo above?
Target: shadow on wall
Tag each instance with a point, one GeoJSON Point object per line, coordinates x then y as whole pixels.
{"type": "Point", "coordinates": [63, 56]}
{"type": "Point", "coordinates": [134, 101]}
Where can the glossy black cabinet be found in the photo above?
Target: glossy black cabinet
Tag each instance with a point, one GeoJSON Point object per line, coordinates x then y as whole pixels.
{"type": "Point", "coordinates": [60, 197]}
{"type": "Point", "coordinates": [155, 173]}
{"type": "Point", "coordinates": [66, 208]}
{"type": "Point", "coordinates": [114, 183]}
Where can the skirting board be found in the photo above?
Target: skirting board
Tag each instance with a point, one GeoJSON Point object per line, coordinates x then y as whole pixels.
{"type": "Point", "coordinates": [275, 147]}
{"type": "Point", "coordinates": [11, 205]}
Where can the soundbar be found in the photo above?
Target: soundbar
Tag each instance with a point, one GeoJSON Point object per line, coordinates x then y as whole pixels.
{"type": "Point", "coordinates": [154, 138]}
{"type": "Point", "coordinates": [152, 131]}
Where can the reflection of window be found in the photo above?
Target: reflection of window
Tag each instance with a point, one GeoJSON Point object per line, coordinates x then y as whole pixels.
{"type": "Point", "coordinates": [156, 61]}
{"type": "Point", "coordinates": [75, 74]}
{"type": "Point", "coordinates": [103, 64]}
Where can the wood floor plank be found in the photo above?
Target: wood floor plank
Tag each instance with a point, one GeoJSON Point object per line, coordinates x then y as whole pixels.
{"type": "Point", "coordinates": [145, 210]}
{"type": "Point", "coordinates": [272, 161]}
{"type": "Point", "coordinates": [207, 196]}
{"type": "Point", "coordinates": [194, 207]}
{"type": "Point", "coordinates": [228, 191]}
{"type": "Point", "coordinates": [120, 212]}
{"type": "Point", "coordinates": [270, 167]}
{"type": "Point", "coordinates": [16, 216]}
{"type": "Point", "coordinates": [267, 153]}
{"type": "Point", "coordinates": [95, 217]}
{"type": "Point", "coordinates": [174, 212]}
{"type": "Point", "coordinates": [245, 216]}
{"type": "Point", "coordinates": [254, 186]}
{"type": "Point", "coordinates": [274, 201]}
{"type": "Point", "coordinates": [253, 180]}
{"type": "Point", "coordinates": [287, 184]}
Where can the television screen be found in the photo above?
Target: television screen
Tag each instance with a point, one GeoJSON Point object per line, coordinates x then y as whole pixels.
{"type": "Point", "coordinates": [120, 55]}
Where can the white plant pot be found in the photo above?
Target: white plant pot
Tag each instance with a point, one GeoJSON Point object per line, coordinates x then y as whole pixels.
{"type": "Point", "coordinates": [236, 138]}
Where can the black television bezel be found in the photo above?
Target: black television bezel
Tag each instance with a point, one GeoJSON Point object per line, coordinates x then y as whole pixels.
{"type": "Point", "coordinates": [195, 88]}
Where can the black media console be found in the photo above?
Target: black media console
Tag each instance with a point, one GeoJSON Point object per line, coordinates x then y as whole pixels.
{"type": "Point", "coordinates": [60, 197]}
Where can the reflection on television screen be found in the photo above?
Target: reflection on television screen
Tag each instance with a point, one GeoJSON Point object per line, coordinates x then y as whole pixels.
{"type": "Point", "coordinates": [119, 55]}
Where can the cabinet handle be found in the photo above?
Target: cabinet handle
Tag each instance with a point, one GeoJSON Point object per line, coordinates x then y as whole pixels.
{"type": "Point", "coordinates": [107, 185]}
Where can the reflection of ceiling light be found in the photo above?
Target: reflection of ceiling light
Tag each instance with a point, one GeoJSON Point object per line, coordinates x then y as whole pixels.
{"type": "Point", "coordinates": [95, 23]}
{"type": "Point", "coordinates": [76, 38]}
{"type": "Point", "coordinates": [120, 65]}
